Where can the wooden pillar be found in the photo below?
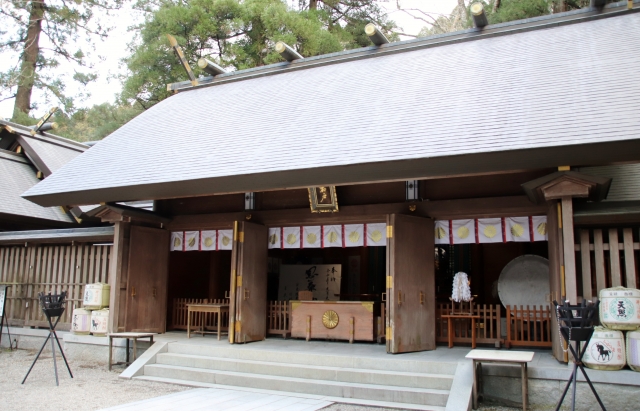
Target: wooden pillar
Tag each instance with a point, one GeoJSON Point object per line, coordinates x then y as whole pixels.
{"type": "Point", "coordinates": [570, 282]}
{"type": "Point", "coordinates": [556, 261]}
{"type": "Point", "coordinates": [118, 276]}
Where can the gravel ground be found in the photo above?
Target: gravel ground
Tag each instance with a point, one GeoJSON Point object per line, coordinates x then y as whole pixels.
{"type": "Point", "coordinates": [93, 386]}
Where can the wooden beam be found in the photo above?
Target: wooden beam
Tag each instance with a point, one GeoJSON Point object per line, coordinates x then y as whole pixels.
{"type": "Point", "coordinates": [443, 210]}
{"type": "Point", "coordinates": [287, 52]}
{"type": "Point", "coordinates": [40, 126]}
{"type": "Point", "coordinates": [570, 282]}
{"type": "Point", "coordinates": [210, 67]}
{"type": "Point", "coordinates": [183, 60]}
{"type": "Point", "coordinates": [614, 258]}
{"type": "Point", "coordinates": [629, 258]}
{"type": "Point", "coordinates": [599, 260]}
{"type": "Point", "coordinates": [585, 254]}
{"type": "Point", "coordinates": [479, 16]}
{"type": "Point", "coordinates": [376, 35]}
{"type": "Point", "coordinates": [117, 273]}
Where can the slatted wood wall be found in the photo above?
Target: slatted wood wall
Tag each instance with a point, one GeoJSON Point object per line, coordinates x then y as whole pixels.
{"type": "Point", "coordinates": [607, 258]}
{"type": "Point", "coordinates": [49, 269]}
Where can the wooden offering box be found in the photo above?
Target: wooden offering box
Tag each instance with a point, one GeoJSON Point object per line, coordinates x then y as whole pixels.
{"type": "Point", "coordinates": [338, 320]}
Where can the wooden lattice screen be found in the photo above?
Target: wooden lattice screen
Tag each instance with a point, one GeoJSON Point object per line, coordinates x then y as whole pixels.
{"type": "Point", "coordinates": [607, 258]}
{"type": "Point", "coordinates": [49, 269]}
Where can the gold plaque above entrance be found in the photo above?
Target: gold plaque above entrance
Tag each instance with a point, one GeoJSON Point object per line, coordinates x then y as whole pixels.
{"type": "Point", "coordinates": [323, 199]}
{"type": "Point", "coordinates": [330, 319]}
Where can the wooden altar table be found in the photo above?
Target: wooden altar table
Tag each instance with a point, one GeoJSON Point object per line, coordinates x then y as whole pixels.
{"type": "Point", "coordinates": [206, 308]}
{"type": "Point", "coordinates": [338, 320]}
{"type": "Point", "coordinates": [450, 330]}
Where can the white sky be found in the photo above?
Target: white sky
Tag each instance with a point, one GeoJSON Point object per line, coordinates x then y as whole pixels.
{"type": "Point", "coordinates": [112, 50]}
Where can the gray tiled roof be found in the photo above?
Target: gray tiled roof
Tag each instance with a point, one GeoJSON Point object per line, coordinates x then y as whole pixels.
{"type": "Point", "coordinates": [625, 180]}
{"type": "Point", "coordinates": [17, 176]}
{"type": "Point", "coordinates": [513, 101]}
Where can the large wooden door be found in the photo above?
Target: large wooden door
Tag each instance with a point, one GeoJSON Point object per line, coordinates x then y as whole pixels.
{"type": "Point", "coordinates": [147, 278]}
{"type": "Point", "coordinates": [411, 305]}
{"type": "Point", "coordinates": [248, 299]}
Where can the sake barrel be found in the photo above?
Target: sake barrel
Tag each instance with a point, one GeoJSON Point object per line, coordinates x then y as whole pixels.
{"type": "Point", "coordinates": [81, 321]}
{"type": "Point", "coordinates": [633, 350]}
{"type": "Point", "coordinates": [96, 296]}
{"type": "Point", "coordinates": [620, 308]}
{"type": "Point", "coordinates": [605, 350]}
{"type": "Point", "coordinates": [99, 322]}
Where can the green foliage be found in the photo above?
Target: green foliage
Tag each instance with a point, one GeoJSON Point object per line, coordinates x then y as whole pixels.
{"type": "Point", "coordinates": [60, 23]}
{"type": "Point", "coordinates": [511, 10]}
{"type": "Point", "coordinates": [237, 34]}
{"type": "Point", "coordinates": [96, 122]}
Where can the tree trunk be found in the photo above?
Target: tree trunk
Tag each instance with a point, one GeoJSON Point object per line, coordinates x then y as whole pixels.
{"type": "Point", "coordinates": [313, 4]}
{"type": "Point", "coordinates": [496, 6]}
{"type": "Point", "coordinates": [463, 11]}
{"type": "Point", "coordinates": [29, 58]}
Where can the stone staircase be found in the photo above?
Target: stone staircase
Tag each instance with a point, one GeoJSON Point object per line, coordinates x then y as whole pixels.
{"type": "Point", "coordinates": [396, 381]}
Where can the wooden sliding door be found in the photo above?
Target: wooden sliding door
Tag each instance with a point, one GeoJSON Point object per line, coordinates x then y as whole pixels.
{"type": "Point", "coordinates": [411, 305]}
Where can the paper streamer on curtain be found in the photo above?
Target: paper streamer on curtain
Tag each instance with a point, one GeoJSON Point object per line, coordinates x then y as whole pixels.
{"type": "Point", "coordinates": [274, 237]}
{"type": "Point", "coordinates": [225, 239]}
{"type": "Point", "coordinates": [332, 236]}
{"type": "Point", "coordinates": [191, 240]}
{"type": "Point", "coordinates": [208, 240]}
{"type": "Point", "coordinates": [539, 227]}
{"type": "Point", "coordinates": [312, 236]}
{"type": "Point", "coordinates": [291, 237]}
{"type": "Point", "coordinates": [442, 232]}
{"type": "Point", "coordinates": [376, 234]}
{"type": "Point", "coordinates": [354, 235]}
{"type": "Point", "coordinates": [464, 231]}
{"type": "Point", "coordinates": [517, 229]}
{"type": "Point", "coordinates": [176, 241]}
{"type": "Point", "coordinates": [490, 230]}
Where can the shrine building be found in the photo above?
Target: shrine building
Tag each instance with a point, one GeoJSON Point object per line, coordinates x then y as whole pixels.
{"type": "Point", "coordinates": [335, 197]}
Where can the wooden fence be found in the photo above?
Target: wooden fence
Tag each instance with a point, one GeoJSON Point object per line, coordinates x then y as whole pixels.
{"type": "Point", "coordinates": [488, 326]}
{"type": "Point", "coordinates": [279, 318]}
{"type": "Point", "coordinates": [179, 314]}
{"type": "Point", "coordinates": [49, 269]}
{"type": "Point", "coordinates": [607, 258]}
{"type": "Point", "coordinates": [529, 327]}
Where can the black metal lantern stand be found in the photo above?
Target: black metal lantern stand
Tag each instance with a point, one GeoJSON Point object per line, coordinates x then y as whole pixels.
{"type": "Point", "coordinates": [52, 306]}
{"type": "Point", "coordinates": [576, 324]}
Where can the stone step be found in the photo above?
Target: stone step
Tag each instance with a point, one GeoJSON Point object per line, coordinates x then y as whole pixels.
{"type": "Point", "coordinates": [355, 401]}
{"type": "Point", "coordinates": [422, 396]}
{"type": "Point", "coordinates": [361, 376]}
{"type": "Point", "coordinates": [403, 363]}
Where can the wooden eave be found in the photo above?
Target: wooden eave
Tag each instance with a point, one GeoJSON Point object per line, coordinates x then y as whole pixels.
{"type": "Point", "coordinates": [112, 213]}
{"type": "Point", "coordinates": [83, 235]}
{"type": "Point", "coordinates": [567, 184]}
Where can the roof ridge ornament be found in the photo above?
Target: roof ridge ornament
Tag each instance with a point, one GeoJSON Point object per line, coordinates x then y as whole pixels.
{"type": "Point", "coordinates": [287, 52]}
{"type": "Point", "coordinates": [376, 35]}
{"type": "Point", "coordinates": [43, 125]}
{"type": "Point", "coordinates": [183, 60]}
{"type": "Point", "coordinates": [210, 67]}
{"type": "Point", "coordinates": [479, 16]}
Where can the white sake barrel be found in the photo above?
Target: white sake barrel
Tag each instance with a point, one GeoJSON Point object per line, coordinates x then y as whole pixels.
{"type": "Point", "coordinates": [99, 322]}
{"type": "Point", "coordinates": [633, 350]}
{"type": "Point", "coordinates": [605, 350]}
{"type": "Point", "coordinates": [96, 296]}
{"type": "Point", "coordinates": [81, 321]}
{"type": "Point", "coordinates": [620, 308]}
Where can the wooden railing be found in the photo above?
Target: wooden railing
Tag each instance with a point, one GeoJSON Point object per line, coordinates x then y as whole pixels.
{"type": "Point", "coordinates": [608, 258]}
{"type": "Point", "coordinates": [528, 327]}
{"type": "Point", "coordinates": [488, 326]}
{"type": "Point", "coordinates": [279, 318]}
{"type": "Point", "coordinates": [49, 269]}
{"type": "Point", "coordinates": [179, 314]}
